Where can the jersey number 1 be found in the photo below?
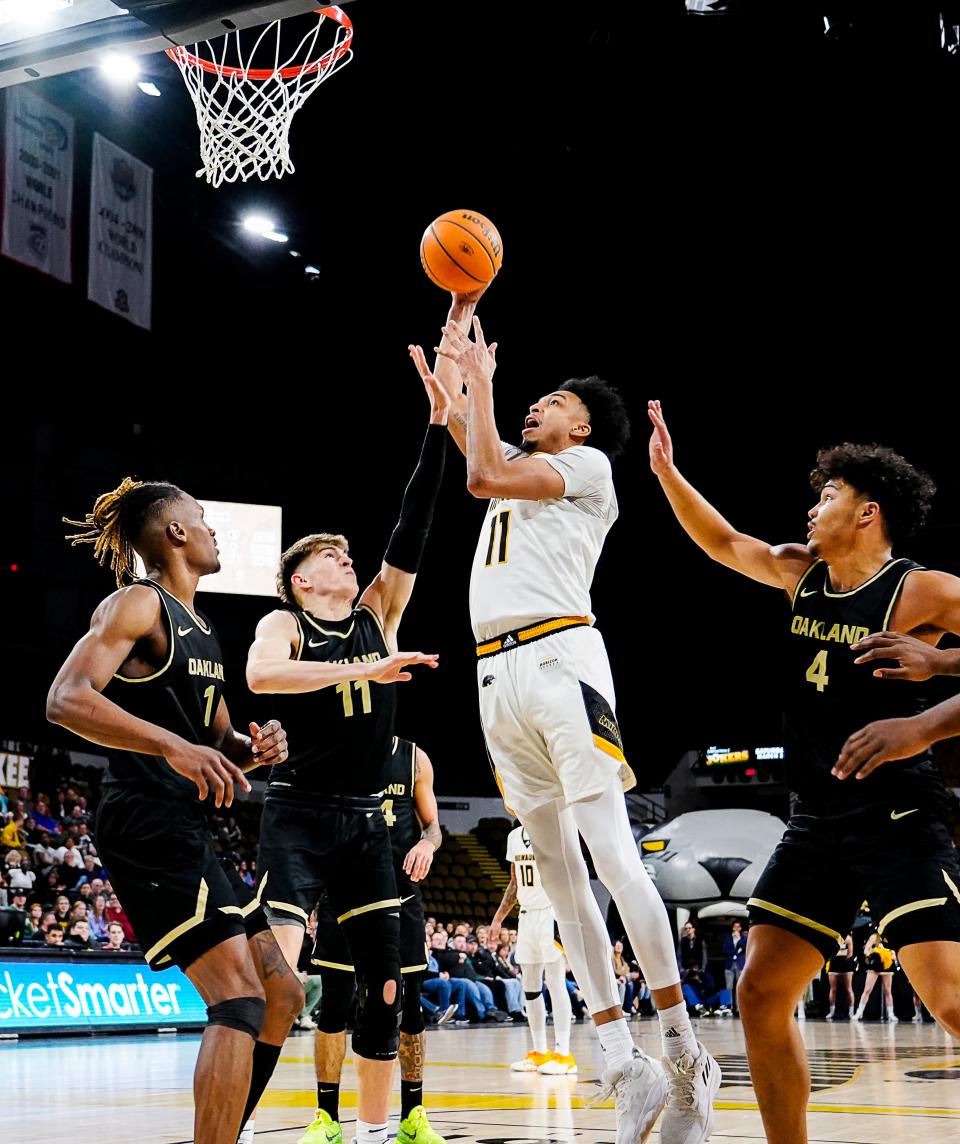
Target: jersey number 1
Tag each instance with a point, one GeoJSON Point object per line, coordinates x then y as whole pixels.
{"type": "Point", "coordinates": [499, 520]}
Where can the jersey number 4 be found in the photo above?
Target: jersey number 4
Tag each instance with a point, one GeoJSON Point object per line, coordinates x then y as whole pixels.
{"type": "Point", "coordinates": [817, 671]}
{"type": "Point", "coordinates": [499, 522]}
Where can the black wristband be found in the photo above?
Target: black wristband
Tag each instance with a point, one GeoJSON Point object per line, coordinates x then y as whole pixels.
{"type": "Point", "coordinates": [409, 538]}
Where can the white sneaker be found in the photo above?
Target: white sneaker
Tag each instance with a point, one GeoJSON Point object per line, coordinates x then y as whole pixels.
{"type": "Point", "coordinates": [892, 1019]}
{"type": "Point", "coordinates": [691, 1087]}
{"type": "Point", "coordinates": [829, 1016]}
{"type": "Point", "coordinates": [640, 1092]}
{"type": "Point", "coordinates": [858, 1016]}
{"type": "Point", "coordinates": [246, 1135]}
{"type": "Point", "coordinates": [306, 1022]}
{"type": "Point", "coordinates": [917, 1018]}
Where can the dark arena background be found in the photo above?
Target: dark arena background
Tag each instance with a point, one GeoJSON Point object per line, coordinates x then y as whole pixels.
{"type": "Point", "coordinates": [744, 209]}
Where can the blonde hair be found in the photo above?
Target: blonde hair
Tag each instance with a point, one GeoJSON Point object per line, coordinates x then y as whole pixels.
{"type": "Point", "coordinates": [295, 555]}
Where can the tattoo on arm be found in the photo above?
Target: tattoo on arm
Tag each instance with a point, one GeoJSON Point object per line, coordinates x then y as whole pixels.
{"type": "Point", "coordinates": [431, 833]}
{"type": "Point", "coordinates": [461, 419]}
{"type": "Point", "coordinates": [509, 900]}
{"type": "Point", "coordinates": [411, 1054]}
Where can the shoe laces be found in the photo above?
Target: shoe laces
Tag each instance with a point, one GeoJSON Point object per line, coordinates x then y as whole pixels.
{"type": "Point", "coordinates": [681, 1080]}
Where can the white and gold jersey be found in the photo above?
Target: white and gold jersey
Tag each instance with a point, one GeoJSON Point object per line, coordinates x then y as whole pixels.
{"type": "Point", "coordinates": [530, 892]}
{"type": "Point", "coordinates": [535, 560]}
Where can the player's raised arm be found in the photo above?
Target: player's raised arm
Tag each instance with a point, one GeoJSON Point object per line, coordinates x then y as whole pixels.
{"type": "Point", "coordinates": [489, 473]}
{"type": "Point", "coordinates": [271, 670]}
{"type": "Point", "coordinates": [462, 309]}
{"type": "Point", "coordinates": [780, 566]}
{"type": "Point", "coordinates": [74, 700]}
{"type": "Point", "coordinates": [419, 858]}
{"type": "Point", "coordinates": [390, 591]}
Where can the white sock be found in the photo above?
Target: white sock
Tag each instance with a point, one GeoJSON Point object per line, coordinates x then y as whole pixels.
{"type": "Point", "coordinates": [677, 1032]}
{"type": "Point", "coordinates": [562, 1015]}
{"type": "Point", "coordinates": [537, 1019]}
{"type": "Point", "coordinates": [615, 1043]}
{"type": "Point", "coordinates": [371, 1133]}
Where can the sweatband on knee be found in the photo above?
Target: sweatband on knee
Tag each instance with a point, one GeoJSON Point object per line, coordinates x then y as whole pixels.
{"type": "Point", "coordinates": [409, 538]}
{"type": "Point", "coordinates": [374, 943]}
{"type": "Point", "coordinates": [411, 1016]}
{"type": "Point", "coordinates": [335, 997]}
{"type": "Point", "coordinates": [532, 996]}
{"type": "Point", "coordinates": [245, 1014]}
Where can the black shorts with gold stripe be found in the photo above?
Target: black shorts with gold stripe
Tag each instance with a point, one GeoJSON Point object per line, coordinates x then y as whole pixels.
{"type": "Point", "coordinates": [160, 858]}
{"type": "Point", "coordinates": [899, 859]}
{"type": "Point", "coordinates": [331, 951]}
{"type": "Point", "coordinates": [337, 845]}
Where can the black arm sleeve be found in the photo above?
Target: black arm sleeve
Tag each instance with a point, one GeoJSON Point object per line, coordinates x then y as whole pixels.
{"type": "Point", "coordinates": [416, 513]}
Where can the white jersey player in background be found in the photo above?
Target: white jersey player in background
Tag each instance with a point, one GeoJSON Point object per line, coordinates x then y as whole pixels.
{"type": "Point", "coordinates": [538, 953]}
{"type": "Point", "coordinates": [547, 707]}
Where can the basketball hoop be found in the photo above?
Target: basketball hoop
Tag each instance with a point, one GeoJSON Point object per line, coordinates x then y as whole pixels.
{"type": "Point", "coordinates": [246, 99]}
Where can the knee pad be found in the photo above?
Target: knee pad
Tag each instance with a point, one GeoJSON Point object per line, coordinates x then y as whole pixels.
{"type": "Point", "coordinates": [245, 1014]}
{"type": "Point", "coordinates": [411, 1017]}
{"type": "Point", "coordinates": [374, 942]}
{"type": "Point", "coordinates": [335, 998]}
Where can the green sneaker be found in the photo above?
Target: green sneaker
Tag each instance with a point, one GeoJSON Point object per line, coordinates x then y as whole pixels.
{"type": "Point", "coordinates": [416, 1129]}
{"type": "Point", "coordinates": [322, 1131]}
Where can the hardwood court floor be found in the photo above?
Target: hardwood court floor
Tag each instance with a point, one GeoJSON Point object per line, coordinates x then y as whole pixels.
{"type": "Point", "coordinates": [873, 1084]}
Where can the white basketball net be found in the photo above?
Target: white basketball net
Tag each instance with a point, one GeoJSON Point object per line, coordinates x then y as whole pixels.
{"type": "Point", "coordinates": [246, 98]}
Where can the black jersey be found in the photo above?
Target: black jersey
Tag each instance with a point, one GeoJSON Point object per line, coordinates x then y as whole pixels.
{"type": "Point", "coordinates": [828, 696]}
{"type": "Point", "coordinates": [397, 806]}
{"type": "Point", "coordinates": [181, 696]}
{"type": "Point", "coordinates": [339, 738]}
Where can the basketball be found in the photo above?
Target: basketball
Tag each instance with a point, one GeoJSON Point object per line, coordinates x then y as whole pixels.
{"type": "Point", "coordinates": [461, 251]}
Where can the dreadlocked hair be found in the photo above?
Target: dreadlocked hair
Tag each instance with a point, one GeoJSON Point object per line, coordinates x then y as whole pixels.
{"type": "Point", "coordinates": [116, 521]}
{"type": "Point", "coordinates": [903, 492]}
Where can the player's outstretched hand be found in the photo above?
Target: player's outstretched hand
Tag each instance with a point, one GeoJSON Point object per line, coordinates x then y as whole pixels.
{"type": "Point", "coordinates": [393, 668]}
{"type": "Point", "coordinates": [917, 660]}
{"type": "Point", "coordinates": [269, 743]}
{"type": "Point", "coordinates": [476, 360]}
{"type": "Point", "coordinates": [419, 859]}
{"type": "Point", "coordinates": [440, 399]}
{"type": "Point", "coordinates": [879, 743]}
{"type": "Point", "coordinates": [208, 769]}
{"type": "Point", "coordinates": [661, 447]}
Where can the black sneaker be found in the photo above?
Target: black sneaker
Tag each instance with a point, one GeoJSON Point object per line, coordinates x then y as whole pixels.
{"type": "Point", "coordinates": [495, 1016]}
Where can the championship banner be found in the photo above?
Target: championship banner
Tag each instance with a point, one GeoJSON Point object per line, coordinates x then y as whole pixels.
{"type": "Point", "coordinates": [121, 233]}
{"type": "Point", "coordinates": [38, 184]}
{"type": "Point", "coordinates": [45, 995]}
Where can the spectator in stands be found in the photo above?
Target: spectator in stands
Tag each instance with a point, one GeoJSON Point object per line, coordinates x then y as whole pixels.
{"type": "Point", "coordinates": [98, 917]}
{"type": "Point", "coordinates": [44, 821]}
{"type": "Point", "coordinates": [116, 939]}
{"type": "Point", "coordinates": [85, 841]}
{"type": "Point", "coordinates": [734, 957]}
{"type": "Point", "coordinates": [231, 834]}
{"type": "Point", "coordinates": [23, 877]}
{"type": "Point", "coordinates": [61, 910]}
{"type": "Point", "coordinates": [691, 949]}
{"type": "Point", "coordinates": [4, 803]}
{"type": "Point", "coordinates": [311, 981]}
{"type": "Point", "coordinates": [91, 869]}
{"type": "Point", "coordinates": [78, 816]}
{"type": "Point", "coordinates": [506, 989]}
{"type": "Point", "coordinates": [52, 886]}
{"type": "Point", "coordinates": [4, 889]}
{"type": "Point", "coordinates": [79, 937]}
{"type": "Point", "coordinates": [115, 913]}
{"type": "Point", "coordinates": [78, 910]}
{"type": "Point", "coordinates": [12, 835]}
{"type": "Point", "coordinates": [245, 873]}
{"type": "Point", "coordinates": [31, 830]}
{"type": "Point", "coordinates": [54, 936]}
{"type": "Point", "coordinates": [701, 994]}
{"type": "Point", "coordinates": [621, 971]}
{"type": "Point", "coordinates": [17, 902]}
{"type": "Point", "coordinates": [33, 920]}
{"type": "Point", "coordinates": [444, 991]}
{"type": "Point", "coordinates": [456, 962]}
{"type": "Point", "coordinates": [71, 869]}
{"type": "Point", "coordinates": [43, 853]}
